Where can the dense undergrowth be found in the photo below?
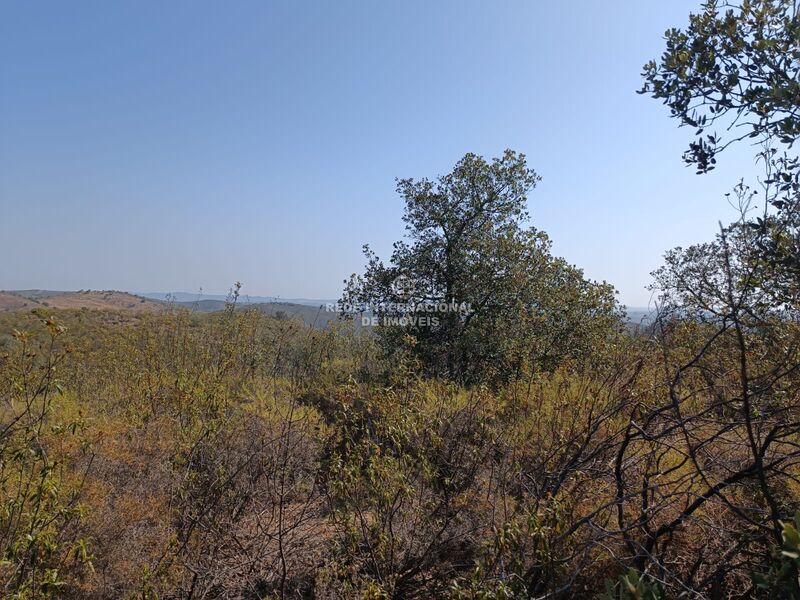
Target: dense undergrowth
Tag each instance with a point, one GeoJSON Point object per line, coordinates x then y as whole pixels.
{"type": "Point", "coordinates": [235, 455]}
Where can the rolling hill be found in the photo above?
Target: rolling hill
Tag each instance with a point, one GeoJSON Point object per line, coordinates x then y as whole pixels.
{"type": "Point", "coordinates": [18, 300]}
{"type": "Point", "coordinates": [11, 302]}
{"type": "Point", "coordinates": [314, 316]}
{"type": "Point", "coordinates": [91, 299]}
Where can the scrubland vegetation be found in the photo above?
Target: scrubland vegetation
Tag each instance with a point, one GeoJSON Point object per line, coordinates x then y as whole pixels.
{"type": "Point", "coordinates": [533, 446]}
{"type": "Point", "coordinates": [235, 455]}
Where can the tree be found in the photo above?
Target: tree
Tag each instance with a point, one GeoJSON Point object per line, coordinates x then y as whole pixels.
{"type": "Point", "coordinates": [730, 363]}
{"type": "Point", "coordinates": [737, 66]}
{"type": "Point", "coordinates": [472, 292]}
{"type": "Point", "coordinates": [728, 326]}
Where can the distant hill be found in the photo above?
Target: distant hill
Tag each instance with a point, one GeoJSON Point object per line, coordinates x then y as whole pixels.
{"type": "Point", "coordinates": [11, 302]}
{"type": "Point", "coordinates": [311, 312]}
{"type": "Point", "coordinates": [36, 295]}
{"type": "Point", "coordinates": [105, 300]}
{"type": "Point", "coordinates": [638, 314]}
{"type": "Point", "coordinates": [93, 299]}
{"type": "Point", "coordinates": [313, 315]}
{"type": "Point", "coordinates": [185, 297]}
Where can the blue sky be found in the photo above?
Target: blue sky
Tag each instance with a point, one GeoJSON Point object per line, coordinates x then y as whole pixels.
{"type": "Point", "coordinates": [178, 145]}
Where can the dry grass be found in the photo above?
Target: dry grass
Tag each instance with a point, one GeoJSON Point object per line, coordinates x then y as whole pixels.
{"type": "Point", "coordinates": [232, 455]}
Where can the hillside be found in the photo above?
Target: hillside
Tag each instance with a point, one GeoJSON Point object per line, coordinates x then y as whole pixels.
{"type": "Point", "coordinates": [193, 297]}
{"type": "Point", "coordinates": [103, 300]}
{"type": "Point", "coordinates": [314, 316]}
{"type": "Point", "coordinates": [98, 300]}
{"type": "Point", "coordinates": [17, 300]}
{"type": "Point", "coordinates": [11, 302]}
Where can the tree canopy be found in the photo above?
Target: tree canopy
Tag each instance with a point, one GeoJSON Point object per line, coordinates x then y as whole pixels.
{"type": "Point", "coordinates": [468, 247]}
{"type": "Point", "coordinates": [736, 68]}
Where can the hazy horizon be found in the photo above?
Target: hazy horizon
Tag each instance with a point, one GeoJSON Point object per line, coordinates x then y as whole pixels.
{"type": "Point", "coordinates": [184, 296]}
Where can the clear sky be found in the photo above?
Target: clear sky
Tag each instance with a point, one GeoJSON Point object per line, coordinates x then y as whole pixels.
{"type": "Point", "coordinates": [165, 146]}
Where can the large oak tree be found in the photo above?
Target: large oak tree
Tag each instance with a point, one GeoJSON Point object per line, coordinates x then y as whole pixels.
{"type": "Point", "coordinates": [467, 244]}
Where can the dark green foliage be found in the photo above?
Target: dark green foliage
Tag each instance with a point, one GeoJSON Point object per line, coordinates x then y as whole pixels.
{"type": "Point", "coordinates": [782, 579]}
{"type": "Point", "coordinates": [633, 586]}
{"type": "Point", "coordinates": [519, 308]}
{"type": "Point", "coordinates": [736, 68]}
{"type": "Point", "coordinates": [735, 64]}
{"type": "Point", "coordinates": [40, 509]}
